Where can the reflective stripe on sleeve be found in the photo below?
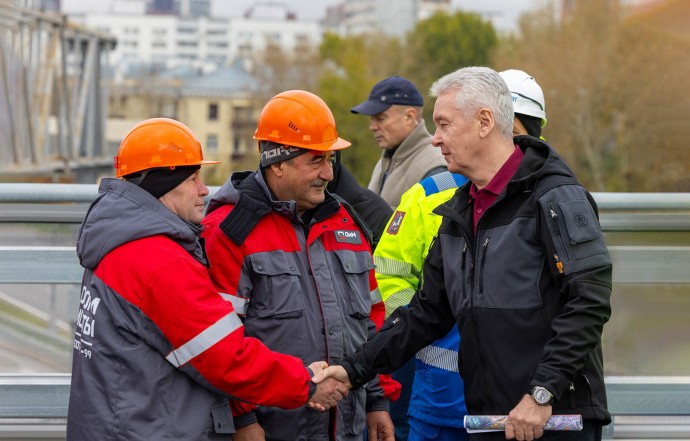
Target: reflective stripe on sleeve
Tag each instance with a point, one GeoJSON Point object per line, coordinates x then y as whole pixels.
{"type": "Point", "coordinates": [203, 341]}
{"type": "Point", "coordinates": [400, 298]}
{"type": "Point", "coordinates": [393, 267]}
{"type": "Point", "coordinates": [238, 303]}
{"type": "Point", "coordinates": [441, 358]}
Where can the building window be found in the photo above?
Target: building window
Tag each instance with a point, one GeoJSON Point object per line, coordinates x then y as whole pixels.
{"type": "Point", "coordinates": [212, 143]}
{"type": "Point", "coordinates": [237, 146]}
{"type": "Point", "coordinates": [213, 112]}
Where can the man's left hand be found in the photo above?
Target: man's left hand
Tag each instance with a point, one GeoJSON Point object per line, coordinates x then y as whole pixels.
{"type": "Point", "coordinates": [527, 420]}
{"type": "Point", "coordinates": [380, 426]}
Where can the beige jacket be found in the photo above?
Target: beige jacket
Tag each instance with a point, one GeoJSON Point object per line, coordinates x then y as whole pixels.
{"type": "Point", "coordinates": [411, 162]}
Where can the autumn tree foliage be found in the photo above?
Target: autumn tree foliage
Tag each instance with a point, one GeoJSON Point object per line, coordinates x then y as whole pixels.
{"type": "Point", "coordinates": [616, 87]}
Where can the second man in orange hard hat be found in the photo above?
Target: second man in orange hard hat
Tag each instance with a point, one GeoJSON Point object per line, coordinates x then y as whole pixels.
{"type": "Point", "coordinates": [297, 266]}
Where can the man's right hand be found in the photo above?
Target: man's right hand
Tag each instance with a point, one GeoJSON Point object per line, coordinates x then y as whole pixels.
{"type": "Point", "coordinates": [335, 371]}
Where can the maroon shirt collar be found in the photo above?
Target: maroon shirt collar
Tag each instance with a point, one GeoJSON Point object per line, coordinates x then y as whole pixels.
{"type": "Point", "coordinates": [503, 176]}
{"type": "Point", "coordinates": [484, 198]}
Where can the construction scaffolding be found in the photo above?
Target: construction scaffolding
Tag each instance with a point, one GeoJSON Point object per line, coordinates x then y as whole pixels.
{"type": "Point", "coordinates": [53, 106]}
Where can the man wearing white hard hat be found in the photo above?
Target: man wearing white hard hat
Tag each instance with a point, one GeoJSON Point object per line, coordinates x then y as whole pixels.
{"type": "Point", "coordinates": [528, 102]}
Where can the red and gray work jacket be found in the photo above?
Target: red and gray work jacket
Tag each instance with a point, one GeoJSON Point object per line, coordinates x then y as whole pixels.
{"type": "Point", "coordinates": [303, 288]}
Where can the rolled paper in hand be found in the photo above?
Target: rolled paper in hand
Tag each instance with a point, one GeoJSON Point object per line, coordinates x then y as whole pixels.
{"type": "Point", "coordinates": [491, 423]}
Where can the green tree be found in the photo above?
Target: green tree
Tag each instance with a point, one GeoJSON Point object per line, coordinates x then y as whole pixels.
{"type": "Point", "coordinates": [352, 65]}
{"type": "Point", "coordinates": [435, 47]}
{"type": "Point", "coordinates": [444, 43]}
{"type": "Point", "coordinates": [344, 69]}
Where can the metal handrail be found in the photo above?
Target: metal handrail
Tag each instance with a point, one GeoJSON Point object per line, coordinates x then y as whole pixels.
{"type": "Point", "coordinates": [42, 399]}
{"type": "Point", "coordinates": [51, 193]}
{"type": "Point", "coordinates": [68, 203]}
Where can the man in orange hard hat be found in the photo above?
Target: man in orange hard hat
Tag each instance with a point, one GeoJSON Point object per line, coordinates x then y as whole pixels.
{"type": "Point", "coordinates": [297, 266]}
{"type": "Point", "coordinates": [157, 353]}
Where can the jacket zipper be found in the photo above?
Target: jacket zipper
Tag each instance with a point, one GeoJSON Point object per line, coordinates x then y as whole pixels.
{"type": "Point", "coordinates": [482, 255]}
{"type": "Point", "coordinates": [463, 267]}
{"type": "Point", "coordinates": [468, 265]}
{"type": "Point", "coordinates": [554, 218]}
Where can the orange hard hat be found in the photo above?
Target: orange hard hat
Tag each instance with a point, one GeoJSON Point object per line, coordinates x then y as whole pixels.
{"type": "Point", "coordinates": [300, 119]}
{"type": "Point", "coordinates": [157, 143]}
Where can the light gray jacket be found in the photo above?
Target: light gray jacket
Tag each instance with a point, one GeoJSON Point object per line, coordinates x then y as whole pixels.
{"type": "Point", "coordinates": [413, 159]}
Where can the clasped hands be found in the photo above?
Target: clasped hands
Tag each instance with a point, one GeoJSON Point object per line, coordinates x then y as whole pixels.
{"type": "Point", "coordinates": [332, 385]}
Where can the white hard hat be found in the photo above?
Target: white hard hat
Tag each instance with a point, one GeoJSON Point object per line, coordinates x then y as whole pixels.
{"type": "Point", "coordinates": [528, 98]}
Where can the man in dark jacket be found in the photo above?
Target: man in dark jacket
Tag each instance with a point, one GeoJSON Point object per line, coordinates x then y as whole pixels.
{"type": "Point", "coordinates": [519, 264]}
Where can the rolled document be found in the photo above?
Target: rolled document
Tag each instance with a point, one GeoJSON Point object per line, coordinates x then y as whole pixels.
{"type": "Point", "coordinates": [494, 423]}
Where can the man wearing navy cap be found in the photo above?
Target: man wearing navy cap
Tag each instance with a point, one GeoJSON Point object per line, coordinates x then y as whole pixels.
{"type": "Point", "coordinates": [395, 108]}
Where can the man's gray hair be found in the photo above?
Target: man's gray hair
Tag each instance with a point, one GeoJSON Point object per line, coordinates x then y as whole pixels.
{"type": "Point", "coordinates": [477, 88]}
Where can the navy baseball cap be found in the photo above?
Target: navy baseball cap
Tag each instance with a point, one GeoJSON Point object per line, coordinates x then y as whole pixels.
{"type": "Point", "coordinates": [385, 93]}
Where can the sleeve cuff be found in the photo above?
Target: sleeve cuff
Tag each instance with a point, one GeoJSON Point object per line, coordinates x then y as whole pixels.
{"type": "Point", "coordinates": [312, 386]}
{"type": "Point", "coordinates": [358, 374]}
{"type": "Point", "coordinates": [379, 404]}
{"type": "Point", "coordinates": [245, 420]}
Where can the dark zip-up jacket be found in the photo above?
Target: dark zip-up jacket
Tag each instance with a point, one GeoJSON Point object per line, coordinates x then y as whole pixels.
{"type": "Point", "coordinates": [530, 293]}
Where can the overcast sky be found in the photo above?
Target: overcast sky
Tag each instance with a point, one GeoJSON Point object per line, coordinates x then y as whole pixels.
{"type": "Point", "coordinates": [504, 13]}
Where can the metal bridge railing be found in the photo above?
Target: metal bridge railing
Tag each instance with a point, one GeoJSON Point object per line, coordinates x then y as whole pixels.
{"type": "Point", "coordinates": [52, 102]}
{"type": "Point", "coordinates": [644, 407]}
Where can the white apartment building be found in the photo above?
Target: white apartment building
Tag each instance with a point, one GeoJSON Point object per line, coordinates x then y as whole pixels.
{"type": "Point", "coordinates": [170, 40]}
{"type": "Point", "coordinates": [271, 23]}
{"type": "Point", "coordinates": [392, 17]}
{"type": "Point", "coordinates": [166, 40]}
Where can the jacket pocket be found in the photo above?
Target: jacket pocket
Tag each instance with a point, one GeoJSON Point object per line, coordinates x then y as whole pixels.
{"type": "Point", "coordinates": [580, 221]}
{"type": "Point", "coordinates": [352, 411]}
{"type": "Point", "coordinates": [575, 232]}
{"type": "Point", "coordinates": [581, 229]}
{"type": "Point", "coordinates": [356, 267]}
{"type": "Point", "coordinates": [277, 292]}
{"type": "Point", "coordinates": [222, 418]}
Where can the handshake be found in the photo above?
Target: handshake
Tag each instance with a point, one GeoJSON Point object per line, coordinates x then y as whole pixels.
{"type": "Point", "coordinates": [332, 385]}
